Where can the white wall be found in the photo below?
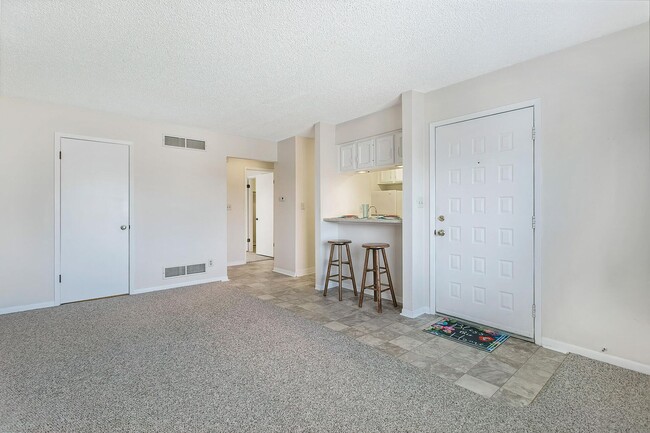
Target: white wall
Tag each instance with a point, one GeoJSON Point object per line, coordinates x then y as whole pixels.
{"type": "Point", "coordinates": [328, 183]}
{"type": "Point", "coordinates": [415, 230]}
{"type": "Point", "coordinates": [294, 230]}
{"type": "Point", "coordinates": [236, 178]}
{"type": "Point", "coordinates": [595, 208]}
{"type": "Point", "coordinates": [284, 231]}
{"type": "Point", "coordinates": [371, 124]}
{"type": "Point", "coordinates": [179, 197]}
{"type": "Point", "coordinates": [305, 184]}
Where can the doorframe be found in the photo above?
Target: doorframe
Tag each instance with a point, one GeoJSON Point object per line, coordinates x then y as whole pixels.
{"type": "Point", "coordinates": [246, 210]}
{"type": "Point", "coordinates": [536, 105]}
{"type": "Point", "coordinates": [57, 208]}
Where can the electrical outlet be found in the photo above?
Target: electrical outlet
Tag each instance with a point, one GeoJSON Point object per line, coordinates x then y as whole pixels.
{"type": "Point", "coordinates": [210, 262]}
{"type": "Point", "coordinates": [228, 207]}
{"type": "Point", "coordinates": [420, 202]}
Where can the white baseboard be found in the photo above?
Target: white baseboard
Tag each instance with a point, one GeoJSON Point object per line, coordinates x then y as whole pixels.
{"type": "Point", "coordinates": [560, 346]}
{"type": "Point", "coordinates": [412, 314]}
{"type": "Point", "coordinates": [286, 272]}
{"type": "Point", "coordinates": [305, 271]}
{"type": "Point", "coordinates": [236, 263]}
{"type": "Point", "coordinates": [180, 284]}
{"type": "Point", "coordinates": [19, 308]}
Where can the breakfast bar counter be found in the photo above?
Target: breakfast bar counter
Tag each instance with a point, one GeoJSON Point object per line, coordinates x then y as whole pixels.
{"type": "Point", "coordinates": [371, 230]}
{"type": "Point", "coordinates": [371, 220]}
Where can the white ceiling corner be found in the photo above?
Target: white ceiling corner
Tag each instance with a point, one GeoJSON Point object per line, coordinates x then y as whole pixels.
{"type": "Point", "coordinates": [271, 69]}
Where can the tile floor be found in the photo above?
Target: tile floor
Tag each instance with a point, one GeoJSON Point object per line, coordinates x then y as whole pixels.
{"type": "Point", "coordinates": [252, 257]}
{"type": "Point", "coordinates": [513, 374]}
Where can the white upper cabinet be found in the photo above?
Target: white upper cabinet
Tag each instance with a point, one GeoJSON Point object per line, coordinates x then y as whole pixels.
{"type": "Point", "coordinates": [384, 151]}
{"type": "Point", "coordinates": [399, 158]}
{"type": "Point", "coordinates": [374, 152]}
{"type": "Point", "coordinates": [365, 154]}
{"type": "Point", "coordinates": [347, 157]}
{"type": "Point", "coordinates": [390, 176]}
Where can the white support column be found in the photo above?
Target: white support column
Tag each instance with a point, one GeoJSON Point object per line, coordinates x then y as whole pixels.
{"type": "Point", "coordinates": [415, 227]}
{"type": "Point", "coordinates": [326, 160]}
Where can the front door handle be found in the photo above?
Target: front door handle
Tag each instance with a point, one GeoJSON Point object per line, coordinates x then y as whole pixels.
{"type": "Point", "coordinates": [439, 232]}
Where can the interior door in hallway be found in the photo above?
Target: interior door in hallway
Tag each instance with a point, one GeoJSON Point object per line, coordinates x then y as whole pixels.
{"type": "Point", "coordinates": [264, 214]}
{"type": "Point", "coordinates": [484, 209]}
{"type": "Point", "coordinates": [94, 219]}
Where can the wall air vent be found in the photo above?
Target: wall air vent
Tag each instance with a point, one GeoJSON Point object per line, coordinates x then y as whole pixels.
{"type": "Point", "coordinates": [179, 271]}
{"type": "Point", "coordinates": [175, 271]}
{"type": "Point", "coordinates": [195, 144]}
{"type": "Point", "coordinates": [174, 141]}
{"type": "Point", "coordinates": [186, 143]}
{"type": "Point", "coordinates": [196, 269]}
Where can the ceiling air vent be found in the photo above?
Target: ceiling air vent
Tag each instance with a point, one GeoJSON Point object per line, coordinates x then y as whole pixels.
{"type": "Point", "coordinates": [187, 143]}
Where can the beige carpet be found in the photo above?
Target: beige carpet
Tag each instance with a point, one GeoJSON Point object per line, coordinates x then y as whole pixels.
{"type": "Point", "coordinates": [212, 358]}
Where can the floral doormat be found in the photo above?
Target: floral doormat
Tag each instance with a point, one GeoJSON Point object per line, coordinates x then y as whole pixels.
{"type": "Point", "coordinates": [480, 338]}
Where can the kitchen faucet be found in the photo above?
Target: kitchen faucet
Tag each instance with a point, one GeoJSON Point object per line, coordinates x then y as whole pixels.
{"type": "Point", "coordinates": [371, 208]}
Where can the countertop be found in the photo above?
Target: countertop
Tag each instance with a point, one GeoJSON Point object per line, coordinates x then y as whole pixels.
{"type": "Point", "coordinates": [364, 220]}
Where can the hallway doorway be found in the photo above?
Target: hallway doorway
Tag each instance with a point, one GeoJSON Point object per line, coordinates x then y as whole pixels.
{"type": "Point", "coordinates": [250, 219]}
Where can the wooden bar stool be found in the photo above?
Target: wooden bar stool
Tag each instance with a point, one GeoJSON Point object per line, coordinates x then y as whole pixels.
{"type": "Point", "coordinates": [377, 270]}
{"type": "Point", "coordinates": [338, 262]}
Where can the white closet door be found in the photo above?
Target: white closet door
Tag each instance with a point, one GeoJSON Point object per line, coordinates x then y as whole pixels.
{"type": "Point", "coordinates": [94, 219]}
{"type": "Point", "coordinates": [264, 214]}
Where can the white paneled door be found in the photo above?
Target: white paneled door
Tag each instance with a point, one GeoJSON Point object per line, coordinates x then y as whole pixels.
{"type": "Point", "coordinates": [94, 219]}
{"type": "Point", "coordinates": [484, 209]}
{"type": "Point", "coordinates": [264, 214]}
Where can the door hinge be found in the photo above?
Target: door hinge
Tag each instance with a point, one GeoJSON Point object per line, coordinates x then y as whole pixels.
{"type": "Point", "coordinates": [533, 222]}
{"type": "Point", "coordinates": [59, 154]}
{"type": "Point", "coordinates": [59, 278]}
{"type": "Point", "coordinates": [534, 310]}
{"type": "Point", "coordinates": [533, 133]}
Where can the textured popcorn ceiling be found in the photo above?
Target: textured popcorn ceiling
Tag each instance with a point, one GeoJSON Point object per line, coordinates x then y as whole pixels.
{"type": "Point", "coordinates": [270, 69]}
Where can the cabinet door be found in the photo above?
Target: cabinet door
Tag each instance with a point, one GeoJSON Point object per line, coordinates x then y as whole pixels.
{"type": "Point", "coordinates": [365, 154]}
{"type": "Point", "coordinates": [386, 176]}
{"type": "Point", "coordinates": [384, 151]}
{"type": "Point", "coordinates": [347, 157]}
{"type": "Point", "coordinates": [398, 149]}
{"type": "Point", "coordinates": [399, 175]}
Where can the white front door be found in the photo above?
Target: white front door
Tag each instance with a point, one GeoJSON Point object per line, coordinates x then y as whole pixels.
{"type": "Point", "coordinates": [484, 201]}
{"type": "Point", "coordinates": [94, 219]}
{"type": "Point", "coordinates": [264, 214]}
